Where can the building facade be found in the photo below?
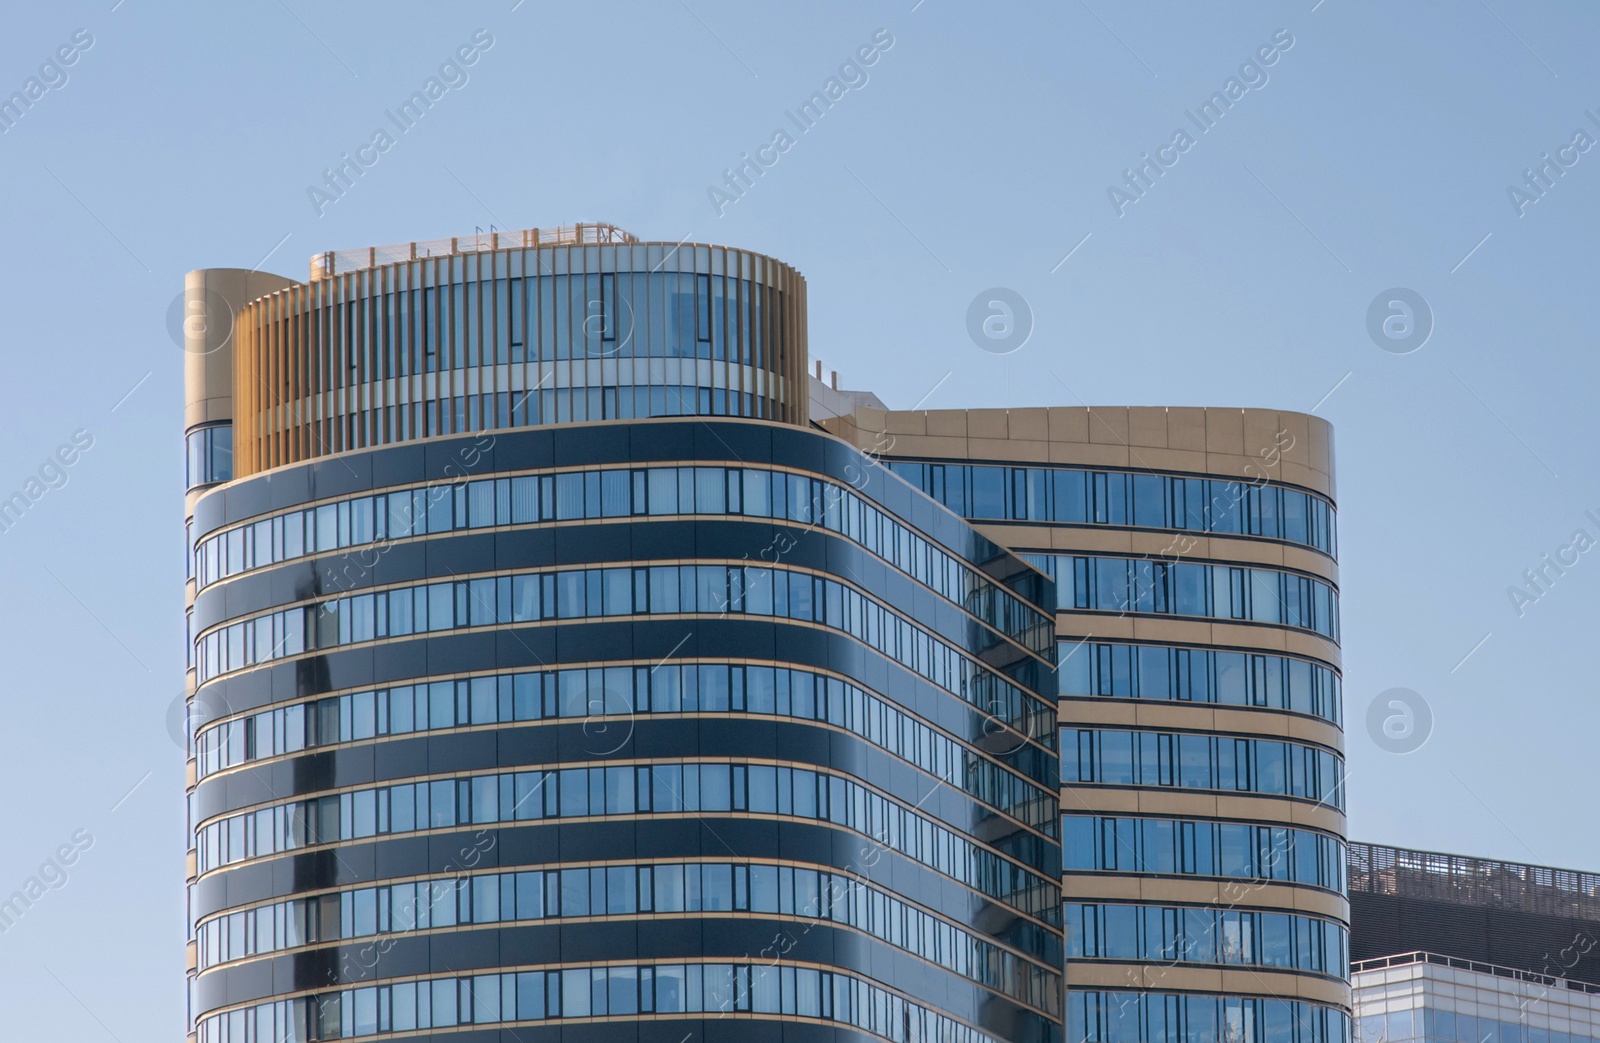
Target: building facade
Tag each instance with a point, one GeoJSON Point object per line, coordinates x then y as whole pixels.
{"type": "Point", "coordinates": [553, 680]}
{"type": "Point", "coordinates": [1454, 949]}
{"type": "Point", "coordinates": [1203, 825]}
{"type": "Point", "coordinates": [567, 663]}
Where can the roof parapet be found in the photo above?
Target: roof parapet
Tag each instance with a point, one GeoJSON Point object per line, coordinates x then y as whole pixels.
{"type": "Point", "coordinates": [329, 263]}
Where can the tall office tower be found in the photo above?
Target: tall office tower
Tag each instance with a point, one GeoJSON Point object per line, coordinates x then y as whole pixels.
{"type": "Point", "coordinates": [1203, 832]}
{"type": "Point", "coordinates": [553, 679]}
{"type": "Point", "coordinates": [1452, 949]}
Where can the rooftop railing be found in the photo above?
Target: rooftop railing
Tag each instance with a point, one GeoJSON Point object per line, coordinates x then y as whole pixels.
{"type": "Point", "coordinates": [1431, 875]}
{"type": "Point", "coordinates": [337, 262]}
{"type": "Point", "coordinates": [1495, 969]}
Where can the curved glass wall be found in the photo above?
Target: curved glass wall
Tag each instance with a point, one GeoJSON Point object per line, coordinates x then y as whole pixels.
{"type": "Point", "coordinates": [630, 790]}
{"type": "Point", "coordinates": [663, 748]}
{"type": "Point", "coordinates": [1184, 588]}
{"type": "Point", "coordinates": [606, 700]}
{"type": "Point", "coordinates": [600, 593]}
{"type": "Point", "coordinates": [626, 891]}
{"type": "Point", "coordinates": [1231, 937]}
{"type": "Point", "coordinates": [1201, 675]}
{"type": "Point", "coordinates": [518, 337]}
{"type": "Point", "coordinates": [737, 990]}
{"type": "Point", "coordinates": [1202, 761]}
{"type": "Point", "coordinates": [1256, 572]}
{"type": "Point", "coordinates": [208, 455]}
{"type": "Point", "coordinates": [1154, 1017]}
{"type": "Point", "coordinates": [1256, 855]}
{"type": "Point", "coordinates": [375, 522]}
{"type": "Point", "coordinates": [1079, 496]}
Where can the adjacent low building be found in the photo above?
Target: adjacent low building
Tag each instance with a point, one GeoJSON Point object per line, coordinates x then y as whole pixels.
{"type": "Point", "coordinates": [1452, 949]}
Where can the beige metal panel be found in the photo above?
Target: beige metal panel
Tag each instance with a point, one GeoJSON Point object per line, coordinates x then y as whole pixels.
{"type": "Point", "coordinates": [946, 423]}
{"type": "Point", "coordinates": [1225, 431]}
{"type": "Point", "coordinates": [1028, 424]}
{"type": "Point", "coordinates": [1182, 977]}
{"type": "Point", "coordinates": [1311, 646]}
{"type": "Point", "coordinates": [1183, 716]}
{"type": "Point", "coordinates": [1176, 803]}
{"type": "Point", "coordinates": [1264, 434]}
{"type": "Point", "coordinates": [988, 424]}
{"type": "Point", "coordinates": [1163, 630]}
{"type": "Point", "coordinates": [1017, 453]}
{"type": "Point", "coordinates": [1105, 539]}
{"type": "Point", "coordinates": [212, 301]}
{"type": "Point", "coordinates": [1304, 559]}
{"type": "Point", "coordinates": [1181, 890]}
{"type": "Point", "coordinates": [1105, 800]}
{"type": "Point", "coordinates": [1264, 722]}
{"type": "Point", "coordinates": [1104, 627]}
{"type": "Point", "coordinates": [1105, 713]}
{"type": "Point", "coordinates": [1201, 804]}
{"type": "Point", "coordinates": [1100, 887]}
{"type": "Point", "coordinates": [1166, 977]}
{"type": "Point", "coordinates": [1089, 454]}
{"type": "Point", "coordinates": [1276, 723]}
{"type": "Point", "coordinates": [1069, 424]}
{"type": "Point", "coordinates": [1244, 444]}
{"type": "Point", "coordinates": [1188, 890]}
{"type": "Point", "coordinates": [1284, 811]}
{"type": "Point", "coordinates": [1237, 981]}
{"type": "Point", "coordinates": [1147, 427]}
{"type": "Point", "coordinates": [1243, 894]}
{"type": "Point", "coordinates": [1265, 638]}
{"type": "Point", "coordinates": [1177, 461]}
{"type": "Point", "coordinates": [1186, 429]}
{"type": "Point", "coordinates": [1108, 425]}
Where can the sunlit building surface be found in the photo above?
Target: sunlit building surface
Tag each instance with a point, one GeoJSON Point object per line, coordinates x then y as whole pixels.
{"type": "Point", "coordinates": [569, 663]}
{"type": "Point", "coordinates": [1202, 799]}
{"type": "Point", "coordinates": [1452, 949]}
{"type": "Point", "coordinates": [553, 678]}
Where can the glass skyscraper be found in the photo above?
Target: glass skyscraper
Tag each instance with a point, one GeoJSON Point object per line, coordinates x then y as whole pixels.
{"type": "Point", "coordinates": [554, 679]}
{"type": "Point", "coordinates": [1193, 553]}
{"type": "Point", "coordinates": [569, 663]}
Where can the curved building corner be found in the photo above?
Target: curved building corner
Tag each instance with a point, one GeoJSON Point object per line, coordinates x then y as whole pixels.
{"type": "Point", "coordinates": [1204, 837]}
{"type": "Point", "coordinates": [554, 680]}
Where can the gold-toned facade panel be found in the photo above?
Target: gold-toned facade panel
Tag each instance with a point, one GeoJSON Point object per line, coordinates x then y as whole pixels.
{"type": "Point", "coordinates": [212, 301]}
{"type": "Point", "coordinates": [1263, 722]}
{"type": "Point", "coordinates": [1244, 444]}
{"type": "Point", "coordinates": [1178, 890]}
{"type": "Point", "coordinates": [520, 337]}
{"type": "Point", "coordinates": [1267, 638]}
{"type": "Point", "coordinates": [1233, 981]}
{"type": "Point", "coordinates": [1201, 804]}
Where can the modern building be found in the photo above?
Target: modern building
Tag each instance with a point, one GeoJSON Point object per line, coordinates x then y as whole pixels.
{"type": "Point", "coordinates": [553, 679]}
{"type": "Point", "coordinates": [1203, 825]}
{"type": "Point", "coordinates": [568, 663]}
{"type": "Point", "coordinates": [1452, 949]}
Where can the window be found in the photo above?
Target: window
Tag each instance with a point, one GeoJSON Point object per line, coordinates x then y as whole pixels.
{"type": "Point", "coordinates": [210, 454]}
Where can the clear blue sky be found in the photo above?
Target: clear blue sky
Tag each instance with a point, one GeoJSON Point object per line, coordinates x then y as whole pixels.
{"type": "Point", "coordinates": [1376, 152]}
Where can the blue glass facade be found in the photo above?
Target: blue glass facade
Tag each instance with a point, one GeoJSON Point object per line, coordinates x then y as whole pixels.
{"type": "Point", "coordinates": [711, 723]}
{"type": "Point", "coordinates": [1197, 612]}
